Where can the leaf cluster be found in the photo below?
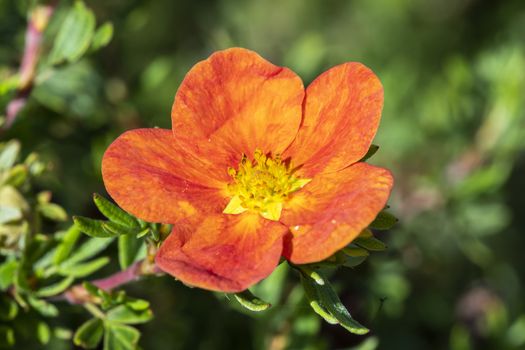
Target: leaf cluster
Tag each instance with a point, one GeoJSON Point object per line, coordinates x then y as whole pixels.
{"type": "Point", "coordinates": [111, 323]}
{"type": "Point", "coordinates": [318, 291]}
{"type": "Point", "coordinates": [38, 269]}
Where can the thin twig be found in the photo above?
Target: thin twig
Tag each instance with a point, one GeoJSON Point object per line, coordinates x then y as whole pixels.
{"type": "Point", "coordinates": [38, 21]}
{"type": "Point", "coordinates": [79, 295]}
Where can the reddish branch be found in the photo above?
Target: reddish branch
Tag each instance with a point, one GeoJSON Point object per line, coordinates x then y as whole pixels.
{"type": "Point", "coordinates": [130, 274]}
{"type": "Point", "coordinates": [79, 295]}
{"type": "Point", "coordinates": [38, 21]}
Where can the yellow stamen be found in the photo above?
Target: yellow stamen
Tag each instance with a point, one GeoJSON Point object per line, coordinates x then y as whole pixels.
{"type": "Point", "coordinates": [262, 185]}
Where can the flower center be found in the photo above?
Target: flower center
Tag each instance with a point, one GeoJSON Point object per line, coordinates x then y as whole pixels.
{"type": "Point", "coordinates": [262, 185]}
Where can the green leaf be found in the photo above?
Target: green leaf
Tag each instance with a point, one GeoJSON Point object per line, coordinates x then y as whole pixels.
{"type": "Point", "coordinates": [8, 214]}
{"type": "Point", "coordinates": [113, 212]}
{"type": "Point", "coordinates": [120, 337]}
{"type": "Point", "coordinates": [108, 299]}
{"type": "Point", "coordinates": [367, 240]}
{"type": "Point", "coordinates": [251, 302]}
{"type": "Point", "coordinates": [20, 280]}
{"type": "Point", "coordinates": [52, 211]}
{"type": "Point", "coordinates": [83, 269]}
{"type": "Point", "coordinates": [312, 274]}
{"type": "Point", "coordinates": [8, 308]}
{"type": "Point", "coordinates": [102, 36]}
{"type": "Point", "coordinates": [92, 289]}
{"type": "Point", "coordinates": [384, 221]}
{"type": "Point", "coordinates": [137, 304]}
{"type": "Point", "coordinates": [8, 154]}
{"type": "Point", "coordinates": [56, 288]}
{"type": "Point", "coordinates": [353, 261]}
{"type": "Point", "coordinates": [43, 307]}
{"type": "Point", "coordinates": [43, 333]}
{"type": "Point", "coordinates": [74, 36]}
{"type": "Point", "coordinates": [353, 255]}
{"type": "Point", "coordinates": [93, 228]}
{"type": "Point", "coordinates": [45, 261]}
{"type": "Point", "coordinates": [7, 273]}
{"type": "Point", "coordinates": [34, 165]}
{"type": "Point", "coordinates": [371, 151]}
{"type": "Point", "coordinates": [44, 197]}
{"type": "Point", "coordinates": [372, 244]}
{"type": "Point", "coordinates": [145, 232]}
{"type": "Point", "coordinates": [326, 303]}
{"type": "Point", "coordinates": [355, 251]}
{"type": "Point", "coordinates": [340, 259]}
{"type": "Point", "coordinates": [118, 229]}
{"type": "Point", "coordinates": [7, 336]}
{"type": "Point", "coordinates": [62, 333]}
{"type": "Point", "coordinates": [321, 311]}
{"type": "Point", "coordinates": [89, 335]}
{"type": "Point", "coordinates": [70, 90]}
{"type": "Point", "coordinates": [11, 197]}
{"type": "Point", "coordinates": [155, 234]}
{"type": "Point", "coordinates": [66, 246]}
{"type": "Point", "coordinates": [87, 250]}
{"type": "Point", "coordinates": [16, 176]}
{"type": "Point", "coordinates": [128, 249]}
{"type": "Point", "coordinates": [38, 247]}
{"type": "Point", "coordinates": [125, 314]}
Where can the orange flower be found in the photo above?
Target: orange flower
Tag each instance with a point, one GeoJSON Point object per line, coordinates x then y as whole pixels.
{"type": "Point", "coordinates": [254, 168]}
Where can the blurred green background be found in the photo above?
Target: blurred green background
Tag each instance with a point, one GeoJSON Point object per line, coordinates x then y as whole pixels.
{"type": "Point", "coordinates": [453, 133]}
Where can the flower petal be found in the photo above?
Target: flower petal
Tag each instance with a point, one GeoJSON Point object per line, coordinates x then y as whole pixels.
{"type": "Point", "coordinates": [332, 210]}
{"type": "Point", "coordinates": [227, 253]}
{"type": "Point", "coordinates": [235, 102]}
{"type": "Point", "coordinates": [341, 116]}
{"type": "Point", "coordinates": [145, 171]}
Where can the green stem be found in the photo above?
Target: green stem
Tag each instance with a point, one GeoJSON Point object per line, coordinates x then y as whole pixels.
{"type": "Point", "coordinates": [95, 311]}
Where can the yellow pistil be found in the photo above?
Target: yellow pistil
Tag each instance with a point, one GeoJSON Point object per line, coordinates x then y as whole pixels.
{"type": "Point", "coordinates": [261, 186]}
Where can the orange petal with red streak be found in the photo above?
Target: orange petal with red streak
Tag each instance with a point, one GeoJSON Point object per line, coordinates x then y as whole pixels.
{"type": "Point", "coordinates": [145, 171]}
{"type": "Point", "coordinates": [332, 210]}
{"type": "Point", "coordinates": [227, 253]}
{"type": "Point", "coordinates": [341, 116]}
{"type": "Point", "coordinates": [234, 102]}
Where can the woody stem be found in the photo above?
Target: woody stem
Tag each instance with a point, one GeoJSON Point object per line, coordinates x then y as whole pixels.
{"type": "Point", "coordinates": [33, 40]}
{"type": "Point", "coordinates": [78, 294]}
